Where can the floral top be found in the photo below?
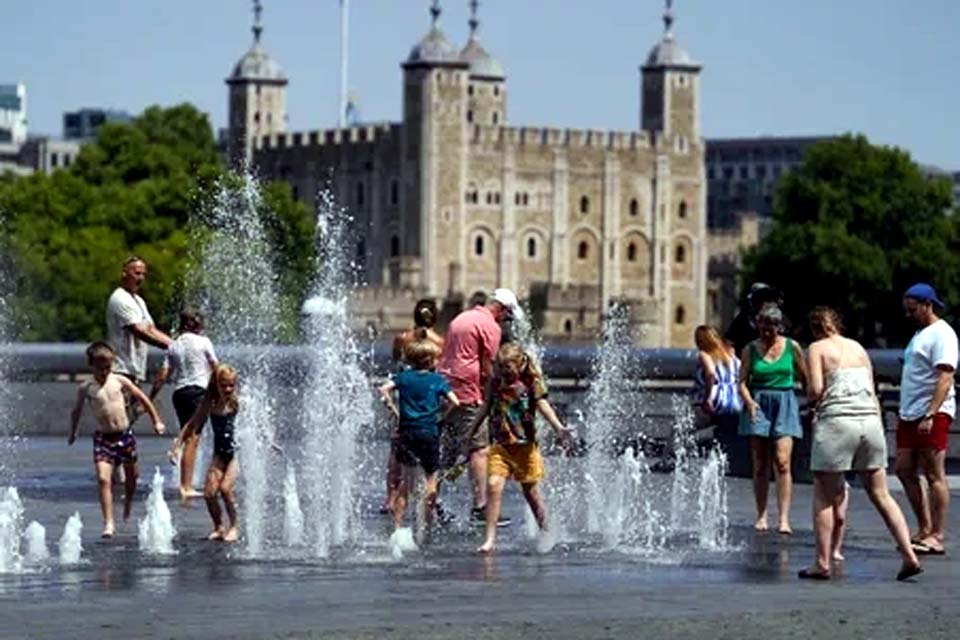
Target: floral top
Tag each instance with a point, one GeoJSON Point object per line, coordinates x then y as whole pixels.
{"type": "Point", "coordinates": [513, 408]}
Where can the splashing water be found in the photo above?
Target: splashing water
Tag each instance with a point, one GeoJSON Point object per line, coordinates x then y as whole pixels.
{"type": "Point", "coordinates": [401, 542]}
{"type": "Point", "coordinates": [70, 542]}
{"type": "Point", "coordinates": [36, 539]}
{"type": "Point", "coordinates": [338, 404]}
{"type": "Point", "coordinates": [11, 523]}
{"type": "Point", "coordinates": [292, 514]}
{"type": "Point", "coordinates": [619, 492]}
{"type": "Point", "coordinates": [238, 285]}
{"type": "Point", "coordinates": [156, 530]}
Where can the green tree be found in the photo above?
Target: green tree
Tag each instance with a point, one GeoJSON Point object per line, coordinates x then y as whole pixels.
{"type": "Point", "coordinates": [130, 192]}
{"type": "Point", "coordinates": [853, 227]}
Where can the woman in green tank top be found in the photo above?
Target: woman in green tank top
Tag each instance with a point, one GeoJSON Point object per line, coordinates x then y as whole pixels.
{"type": "Point", "coordinates": [772, 364]}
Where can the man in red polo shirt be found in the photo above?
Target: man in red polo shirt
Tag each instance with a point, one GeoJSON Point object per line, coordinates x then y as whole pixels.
{"type": "Point", "coordinates": [469, 351]}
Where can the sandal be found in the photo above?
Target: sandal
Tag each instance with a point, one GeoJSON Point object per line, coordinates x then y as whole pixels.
{"type": "Point", "coordinates": [923, 549]}
{"type": "Point", "coordinates": [909, 572]}
{"type": "Point", "coordinates": [807, 574]}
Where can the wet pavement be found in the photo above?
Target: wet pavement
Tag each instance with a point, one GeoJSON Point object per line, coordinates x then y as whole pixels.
{"type": "Point", "coordinates": [577, 590]}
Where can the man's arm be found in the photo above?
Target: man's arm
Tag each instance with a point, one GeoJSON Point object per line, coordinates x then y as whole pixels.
{"type": "Point", "coordinates": [944, 383]}
{"type": "Point", "coordinates": [149, 334]}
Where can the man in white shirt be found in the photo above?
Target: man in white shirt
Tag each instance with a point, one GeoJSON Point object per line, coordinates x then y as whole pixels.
{"type": "Point", "coordinates": [927, 409]}
{"type": "Point", "coordinates": [130, 327]}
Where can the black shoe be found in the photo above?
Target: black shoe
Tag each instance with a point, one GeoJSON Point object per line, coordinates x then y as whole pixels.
{"type": "Point", "coordinates": [479, 517]}
{"type": "Point", "coordinates": [444, 517]}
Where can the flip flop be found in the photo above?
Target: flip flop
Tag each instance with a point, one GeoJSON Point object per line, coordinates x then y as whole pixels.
{"type": "Point", "coordinates": [806, 574]}
{"type": "Point", "coordinates": [906, 574]}
{"type": "Point", "coordinates": [922, 549]}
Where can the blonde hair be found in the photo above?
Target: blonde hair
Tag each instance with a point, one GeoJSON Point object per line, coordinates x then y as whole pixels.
{"type": "Point", "coordinates": [709, 341]}
{"type": "Point", "coordinates": [824, 321]}
{"type": "Point", "coordinates": [421, 353]}
{"type": "Point", "coordinates": [230, 403]}
{"type": "Point", "coordinates": [513, 354]}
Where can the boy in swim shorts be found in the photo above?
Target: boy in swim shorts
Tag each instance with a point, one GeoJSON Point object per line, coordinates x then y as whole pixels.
{"type": "Point", "coordinates": [113, 442]}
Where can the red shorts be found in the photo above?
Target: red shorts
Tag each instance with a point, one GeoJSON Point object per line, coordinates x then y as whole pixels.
{"type": "Point", "coordinates": [908, 437]}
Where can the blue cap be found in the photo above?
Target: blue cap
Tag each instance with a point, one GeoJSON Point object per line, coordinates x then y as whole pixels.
{"type": "Point", "coordinates": [924, 293]}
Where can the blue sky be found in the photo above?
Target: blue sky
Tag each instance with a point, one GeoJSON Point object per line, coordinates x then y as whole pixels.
{"type": "Point", "coordinates": [886, 68]}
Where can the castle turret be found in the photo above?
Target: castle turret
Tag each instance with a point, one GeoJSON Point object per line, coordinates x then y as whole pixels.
{"type": "Point", "coordinates": [434, 163]}
{"type": "Point", "coordinates": [670, 94]}
{"type": "Point", "coordinates": [257, 98]}
{"type": "Point", "coordinates": [487, 95]}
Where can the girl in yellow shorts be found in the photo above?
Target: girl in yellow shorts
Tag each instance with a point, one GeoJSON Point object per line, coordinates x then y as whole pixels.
{"type": "Point", "coordinates": [516, 393]}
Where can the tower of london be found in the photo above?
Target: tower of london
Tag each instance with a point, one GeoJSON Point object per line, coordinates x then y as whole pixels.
{"type": "Point", "coordinates": [454, 199]}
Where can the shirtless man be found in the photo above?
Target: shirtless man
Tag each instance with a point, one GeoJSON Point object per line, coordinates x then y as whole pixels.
{"type": "Point", "coordinates": [113, 442]}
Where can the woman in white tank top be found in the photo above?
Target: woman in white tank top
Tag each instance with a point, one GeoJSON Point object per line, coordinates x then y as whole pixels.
{"type": "Point", "coordinates": [847, 436]}
{"type": "Point", "coordinates": [189, 363]}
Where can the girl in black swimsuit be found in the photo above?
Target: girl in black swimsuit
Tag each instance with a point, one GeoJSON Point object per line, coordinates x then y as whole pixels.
{"type": "Point", "coordinates": [221, 405]}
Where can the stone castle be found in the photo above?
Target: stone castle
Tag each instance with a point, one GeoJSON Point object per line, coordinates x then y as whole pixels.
{"type": "Point", "coordinates": [452, 200]}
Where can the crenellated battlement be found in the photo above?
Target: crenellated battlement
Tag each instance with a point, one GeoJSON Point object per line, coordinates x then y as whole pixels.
{"type": "Point", "coordinates": [359, 135]}
{"type": "Point", "coordinates": [552, 137]}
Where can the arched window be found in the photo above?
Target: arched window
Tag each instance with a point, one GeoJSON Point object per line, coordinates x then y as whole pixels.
{"type": "Point", "coordinates": [526, 199]}
{"type": "Point", "coordinates": [394, 192]}
{"type": "Point", "coordinates": [680, 315]}
{"type": "Point", "coordinates": [531, 247]}
{"type": "Point", "coordinates": [256, 116]}
{"type": "Point", "coordinates": [634, 207]}
{"type": "Point", "coordinates": [631, 252]}
{"type": "Point", "coordinates": [394, 246]}
{"type": "Point", "coordinates": [584, 204]}
{"type": "Point", "coordinates": [682, 210]}
{"type": "Point", "coordinates": [496, 90]}
{"type": "Point", "coordinates": [470, 116]}
{"type": "Point", "coordinates": [478, 245]}
{"type": "Point", "coordinates": [489, 197]}
{"type": "Point", "coordinates": [361, 194]}
{"type": "Point", "coordinates": [470, 90]}
{"type": "Point", "coordinates": [567, 326]}
{"type": "Point", "coordinates": [516, 198]}
{"type": "Point", "coordinates": [680, 255]}
{"type": "Point", "coordinates": [496, 198]}
{"type": "Point", "coordinates": [583, 250]}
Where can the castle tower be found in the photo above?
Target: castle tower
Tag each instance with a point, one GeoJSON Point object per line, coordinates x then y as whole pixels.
{"type": "Point", "coordinates": [487, 103]}
{"type": "Point", "coordinates": [669, 112]}
{"type": "Point", "coordinates": [670, 94]}
{"type": "Point", "coordinates": [434, 141]}
{"type": "Point", "coordinates": [257, 104]}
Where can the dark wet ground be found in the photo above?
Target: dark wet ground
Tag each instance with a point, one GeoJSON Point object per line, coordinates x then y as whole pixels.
{"type": "Point", "coordinates": [576, 591]}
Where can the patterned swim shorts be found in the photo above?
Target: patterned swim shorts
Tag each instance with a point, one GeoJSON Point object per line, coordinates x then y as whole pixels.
{"type": "Point", "coordinates": [115, 448]}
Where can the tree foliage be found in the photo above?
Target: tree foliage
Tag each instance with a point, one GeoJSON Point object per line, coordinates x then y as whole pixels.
{"type": "Point", "coordinates": [854, 226]}
{"type": "Point", "coordinates": [130, 192]}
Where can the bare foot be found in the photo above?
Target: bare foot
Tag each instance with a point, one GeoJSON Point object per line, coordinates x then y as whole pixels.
{"type": "Point", "coordinates": [784, 529]}
{"type": "Point", "coordinates": [486, 547]}
{"type": "Point", "coordinates": [761, 526]}
{"type": "Point", "coordinates": [231, 535]}
{"type": "Point", "coordinates": [189, 493]}
{"type": "Point", "coordinates": [216, 534]}
{"type": "Point", "coordinates": [108, 531]}
{"type": "Point", "coordinates": [838, 557]}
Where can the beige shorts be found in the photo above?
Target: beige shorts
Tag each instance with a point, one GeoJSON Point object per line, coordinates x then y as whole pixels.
{"type": "Point", "coordinates": [848, 443]}
{"type": "Point", "coordinates": [453, 442]}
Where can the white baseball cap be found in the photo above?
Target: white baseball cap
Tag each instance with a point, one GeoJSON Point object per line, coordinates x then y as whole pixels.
{"type": "Point", "coordinates": [509, 300]}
